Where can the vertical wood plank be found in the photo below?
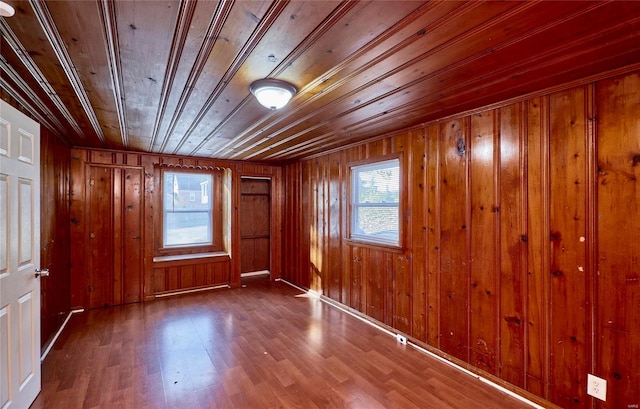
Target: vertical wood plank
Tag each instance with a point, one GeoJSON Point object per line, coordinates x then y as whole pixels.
{"type": "Point", "coordinates": [569, 299]}
{"type": "Point", "coordinates": [416, 209]}
{"type": "Point", "coordinates": [100, 236]}
{"type": "Point", "coordinates": [118, 225]}
{"type": "Point", "coordinates": [537, 296]}
{"type": "Point", "coordinates": [186, 277]}
{"type": "Point", "coordinates": [618, 224]}
{"type": "Point", "coordinates": [345, 251]}
{"type": "Point", "coordinates": [316, 226]}
{"type": "Point", "coordinates": [79, 234]}
{"type": "Point", "coordinates": [399, 288]}
{"type": "Point", "coordinates": [375, 268]}
{"type": "Point", "coordinates": [356, 279]}
{"type": "Point", "coordinates": [512, 242]}
{"type": "Point", "coordinates": [483, 238]}
{"type": "Point", "coordinates": [173, 279]}
{"type": "Point", "coordinates": [334, 228]}
{"type": "Point", "coordinates": [399, 293]}
{"type": "Point", "coordinates": [149, 189]}
{"type": "Point", "coordinates": [434, 159]}
{"type": "Point", "coordinates": [306, 223]}
{"type": "Point", "coordinates": [389, 285]}
{"type": "Point", "coordinates": [158, 283]}
{"type": "Point", "coordinates": [200, 275]}
{"type": "Point", "coordinates": [132, 200]}
{"type": "Point", "coordinates": [454, 309]}
{"type": "Point", "coordinates": [55, 291]}
{"type": "Point", "coordinates": [277, 213]}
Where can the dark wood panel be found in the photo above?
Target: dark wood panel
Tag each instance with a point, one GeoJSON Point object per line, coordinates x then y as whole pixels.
{"type": "Point", "coordinates": [255, 220]}
{"type": "Point", "coordinates": [484, 240]}
{"type": "Point", "coordinates": [132, 248]}
{"type": "Point", "coordinates": [255, 225]}
{"type": "Point", "coordinates": [113, 241]}
{"type": "Point", "coordinates": [78, 226]}
{"type": "Point", "coordinates": [129, 209]}
{"type": "Point", "coordinates": [454, 262]}
{"type": "Point", "coordinates": [192, 275]}
{"type": "Point", "coordinates": [55, 290]}
{"type": "Point", "coordinates": [523, 246]}
{"type": "Point", "coordinates": [336, 179]}
{"type": "Point", "coordinates": [617, 357]}
{"type": "Point", "coordinates": [570, 322]}
{"type": "Point", "coordinates": [513, 238]}
{"type": "Point", "coordinates": [433, 152]}
{"type": "Point", "coordinates": [416, 216]}
{"type": "Point", "coordinates": [100, 237]}
{"type": "Point", "coordinates": [538, 274]}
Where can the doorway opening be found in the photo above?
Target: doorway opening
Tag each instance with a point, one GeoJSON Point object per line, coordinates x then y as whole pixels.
{"type": "Point", "coordinates": [255, 227]}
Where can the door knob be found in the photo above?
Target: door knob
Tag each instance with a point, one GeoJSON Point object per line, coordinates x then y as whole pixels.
{"type": "Point", "coordinates": [42, 273]}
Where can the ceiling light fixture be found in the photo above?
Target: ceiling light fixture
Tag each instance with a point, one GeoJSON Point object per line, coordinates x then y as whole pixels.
{"type": "Point", "coordinates": [272, 93]}
{"type": "Point", "coordinates": [6, 10]}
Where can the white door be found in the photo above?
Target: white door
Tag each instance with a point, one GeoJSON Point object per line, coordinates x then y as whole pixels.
{"type": "Point", "coordinates": [19, 258]}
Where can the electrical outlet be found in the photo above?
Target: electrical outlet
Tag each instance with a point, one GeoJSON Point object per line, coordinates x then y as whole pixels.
{"type": "Point", "coordinates": [597, 387]}
{"type": "Point", "coordinates": [401, 339]}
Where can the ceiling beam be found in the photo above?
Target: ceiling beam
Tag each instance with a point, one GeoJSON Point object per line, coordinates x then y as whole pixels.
{"type": "Point", "coordinates": [181, 32]}
{"type": "Point", "coordinates": [213, 32]}
{"type": "Point", "coordinates": [110, 30]}
{"type": "Point", "coordinates": [48, 26]}
{"type": "Point", "coordinates": [39, 76]}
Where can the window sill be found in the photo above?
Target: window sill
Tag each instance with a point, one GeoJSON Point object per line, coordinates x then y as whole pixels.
{"type": "Point", "coordinates": [392, 248]}
{"type": "Point", "coordinates": [185, 259]}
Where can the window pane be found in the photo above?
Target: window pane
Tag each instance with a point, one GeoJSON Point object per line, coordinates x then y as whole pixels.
{"type": "Point", "coordinates": [375, 202]}
{"type": "Point", "coordinates": [381, 185]}
{"type": "Point", "coordinates": [186, 228]}
{"type": "Point", "coordinates": [187, 209]}
{"type": "Point", "coordinates": [378, 222]}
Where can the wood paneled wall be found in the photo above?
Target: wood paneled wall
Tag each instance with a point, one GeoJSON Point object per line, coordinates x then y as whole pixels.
{"type": "Point", "coordinates": [520, 254]}
{"type": "Point", "coordinates": [113, 195]}
{"type": "Point", "coordinates": [54, 234]}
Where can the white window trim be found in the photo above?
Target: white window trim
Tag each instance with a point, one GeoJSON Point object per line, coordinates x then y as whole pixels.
{"type": "Point", "coordinates": [355, 205]}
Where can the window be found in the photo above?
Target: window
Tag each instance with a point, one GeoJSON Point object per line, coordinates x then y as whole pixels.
{"type": "Point", "coordinates": [186, 209]}
{"type": "Point", "coordinates": [375, 202]}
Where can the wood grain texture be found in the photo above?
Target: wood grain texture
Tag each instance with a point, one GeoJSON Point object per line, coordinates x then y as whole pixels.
{"type": "Point", "coordinates": [266, 345]}
{"type": "Point", "coordinates": [570, 328]}
{"type": "Point", "coordinates": [255, 224]}
{"type": "Point", "coordinates": [54, 234]}
{"type": "Point", "coordinates": [119, 209]}
{"type": "Point", "coordinates": [529, 215]}
{"type": "Point", "coordinates": [484, 239]}
{"type": "Point", "coordinates": [618, 226]}
{"type": "Point", "coordinates": [513, 239]}
{"type": "Point", "coordinates": [173, 77]}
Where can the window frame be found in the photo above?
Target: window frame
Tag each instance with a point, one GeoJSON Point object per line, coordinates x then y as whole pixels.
{"type": "Point", "coordinates": [353, 168]}
{"type": "Point", "coordinates": [216, 202]}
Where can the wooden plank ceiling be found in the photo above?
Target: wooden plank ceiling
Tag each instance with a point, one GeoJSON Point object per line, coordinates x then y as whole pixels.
{"type": "Point", "coordinates": [173, 77]}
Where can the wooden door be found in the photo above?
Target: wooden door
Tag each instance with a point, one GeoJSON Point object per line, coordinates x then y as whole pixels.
{"type": "Point", "coordinates": [255, 225]}
{"type": "Point", "coordinates": [20, 375]}
{"type": "Point", "coordinates": [114, 231]}
{"type": "Point", "coordinates": [100, 231]}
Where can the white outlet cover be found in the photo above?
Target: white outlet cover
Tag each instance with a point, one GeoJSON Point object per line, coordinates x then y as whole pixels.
{"type": "Point", "coordinates": [597, 387]}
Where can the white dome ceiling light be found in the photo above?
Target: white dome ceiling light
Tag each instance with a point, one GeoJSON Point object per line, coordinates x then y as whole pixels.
{"type": "Point", "coordinates": [272, 93]}
{"type": "Point", "coordinates": [6, 10]}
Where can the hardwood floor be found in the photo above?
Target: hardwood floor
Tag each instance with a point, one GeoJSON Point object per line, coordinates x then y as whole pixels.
{"type": "Point", "coordinates": [263, 346]}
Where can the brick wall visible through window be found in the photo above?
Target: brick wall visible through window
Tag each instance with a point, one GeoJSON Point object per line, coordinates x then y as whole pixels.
{"type": "Point", "coordinates": [375, 196]}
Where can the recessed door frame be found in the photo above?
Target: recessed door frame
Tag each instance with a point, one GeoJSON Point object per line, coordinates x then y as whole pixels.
{"type": "Point", "coordinates": [274, 230]}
